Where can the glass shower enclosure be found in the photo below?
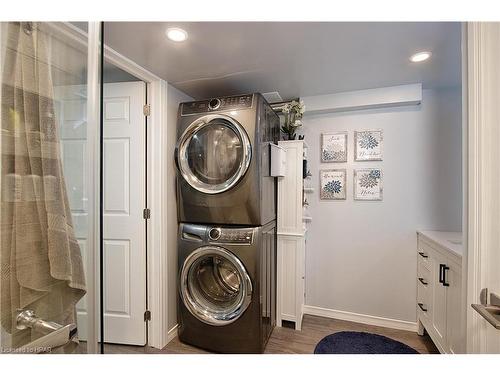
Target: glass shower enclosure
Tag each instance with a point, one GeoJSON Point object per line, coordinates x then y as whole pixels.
{"type": "Point", "coordinates": [49, 178]}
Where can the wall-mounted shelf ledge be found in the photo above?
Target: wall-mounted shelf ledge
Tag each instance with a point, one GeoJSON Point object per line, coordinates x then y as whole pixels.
{"type": "Point", "coordinates": [393, 96]}
{"type": "Point", "coordinates": [308, 190]}
{"type": "Point", "coordinates": [307, 219]}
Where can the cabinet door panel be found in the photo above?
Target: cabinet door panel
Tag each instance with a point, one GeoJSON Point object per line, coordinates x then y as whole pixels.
{"type": "Point", "coordinates": [424, 253]}
{"type": "Point", "coordinates": [455, 339]}
{"type": "Point", "coordinates": [287, 263]}
{"type": "Point", "coordinates": [438, 298]}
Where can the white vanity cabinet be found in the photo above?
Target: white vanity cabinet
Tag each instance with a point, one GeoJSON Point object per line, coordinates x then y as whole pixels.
{"type": "Point", "coordinates": [291, 237]}
{"type": "Point", "coordinates": [440, 310]}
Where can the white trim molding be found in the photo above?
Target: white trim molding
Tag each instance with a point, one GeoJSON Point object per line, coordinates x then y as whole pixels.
{"type": "Point", "coordinates": [157, 202]}
{"type": "Point", "coordinates": [483, 89]}
{"type": "Point", "coordinates": [93, 184]}
{"type": "Point", "coordinates": [361, 318]}
{"type": "Point", "coordinates": [465, 180]}
{"type": "Point", "coordinates": [172, 333]}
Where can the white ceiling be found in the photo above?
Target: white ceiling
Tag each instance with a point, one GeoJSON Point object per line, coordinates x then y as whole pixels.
{"type": "Point", "coordinates": [293, 58]}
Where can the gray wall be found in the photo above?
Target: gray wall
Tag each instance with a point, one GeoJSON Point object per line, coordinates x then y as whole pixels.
{"type": "Point", "coordinates": [361, 256]}
{"type": "Point", "coordinates": [174, 97]}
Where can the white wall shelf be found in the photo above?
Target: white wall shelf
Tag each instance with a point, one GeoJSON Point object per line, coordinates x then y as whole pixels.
{"type": "Point", "coordinates": [308, 190]}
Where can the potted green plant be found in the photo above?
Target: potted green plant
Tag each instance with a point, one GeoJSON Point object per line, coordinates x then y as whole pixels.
{"type": "Point", "coordinates": [293, 112]}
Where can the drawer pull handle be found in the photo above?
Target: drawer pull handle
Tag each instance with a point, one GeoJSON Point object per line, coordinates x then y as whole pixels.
{"type": "Point", "coordinates": [421, 305]}
{"type": "Point", "coordinates": [445, 268]}
{"type": "Point", "coordinates": [442, 274]}
{"type": "Point", "coordinates": [421, 279]}
{"type": "Point", "coordinates": [422, 254]}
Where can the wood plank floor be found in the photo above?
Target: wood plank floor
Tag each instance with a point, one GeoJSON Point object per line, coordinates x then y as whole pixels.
{"type": "Point", "coordinates": [288, 341]}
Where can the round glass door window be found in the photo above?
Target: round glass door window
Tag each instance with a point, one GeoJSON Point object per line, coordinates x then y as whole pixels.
{"type": "Point", "coordinates": [215, 286]}
{"type": "Point", "coordinates": [213, 154]}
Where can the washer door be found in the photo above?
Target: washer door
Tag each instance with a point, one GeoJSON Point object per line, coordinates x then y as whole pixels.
{"type": "Point", "coordinates": [213, 153]}
{"type": "Point", "coordinates": [215, 286]}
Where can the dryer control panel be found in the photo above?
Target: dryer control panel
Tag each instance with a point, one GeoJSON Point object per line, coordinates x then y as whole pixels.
{"type": "Point", "coordinates": [217, 104]}
{"type": "Point", "coordinates": [230, 235]}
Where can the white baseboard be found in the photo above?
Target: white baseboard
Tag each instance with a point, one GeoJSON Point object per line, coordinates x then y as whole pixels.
{"type": "Point", "coordinates": [172, 333]}
{"type": "Point", "coordinates": [361, 318]}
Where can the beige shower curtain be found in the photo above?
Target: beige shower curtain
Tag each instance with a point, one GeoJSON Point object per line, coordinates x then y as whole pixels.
{"type": "Point", "coordinates": [40, 259]}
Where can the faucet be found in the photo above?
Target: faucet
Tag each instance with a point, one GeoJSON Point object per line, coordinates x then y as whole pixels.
{"type": "Point", "coordinates": [54, 334]}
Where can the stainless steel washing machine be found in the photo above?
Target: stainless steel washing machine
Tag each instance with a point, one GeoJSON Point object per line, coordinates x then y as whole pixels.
{"type": "Point", "coordinates": [227, 287]}
{"type": "Point", "coordinates": [223, 161]}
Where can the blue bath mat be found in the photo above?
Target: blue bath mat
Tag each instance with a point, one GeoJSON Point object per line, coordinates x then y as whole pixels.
{"type": "Point", "coordinates": [361, 343]}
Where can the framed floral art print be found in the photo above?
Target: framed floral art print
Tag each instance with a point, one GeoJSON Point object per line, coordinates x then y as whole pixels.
{"type": "Point", "coordinates": [333, 184]}
{"type": "Point", "coordinates": [368, 184]}
{"type": "Point", "coordinates": [368, 145]}
{"type": "Point", "coordinates": [334, 147]}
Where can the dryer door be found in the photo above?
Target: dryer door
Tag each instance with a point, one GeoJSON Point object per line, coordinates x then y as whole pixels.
{"type": "Point", "coordinates": [215, 286]}
{"type": "Point", "coordinates": [213, 153]}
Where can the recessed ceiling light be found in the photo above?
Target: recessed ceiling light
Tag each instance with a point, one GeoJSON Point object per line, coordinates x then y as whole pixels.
{"type": "Point", "coordinates": [177, 35]}
{"type": "Point", "coordinates": [420, 56]}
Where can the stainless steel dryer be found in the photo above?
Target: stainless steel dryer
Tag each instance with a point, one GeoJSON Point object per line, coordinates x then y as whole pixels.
{"type": "Point", "coordinates": [223, 161]}
{"type": "Point", "coordinates": [227, 287]}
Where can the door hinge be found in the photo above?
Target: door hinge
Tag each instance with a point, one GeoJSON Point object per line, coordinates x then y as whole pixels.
{"type": "Point", "coordinates": [147, 315]}
{"type": "Point", "coordinates": [146, 110]}
{"type": "Point", "coordinates": [146, 213]}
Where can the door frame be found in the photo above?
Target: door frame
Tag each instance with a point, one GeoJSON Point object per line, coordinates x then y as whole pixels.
{"type": "Point", "coordinates": [157, 159]}
{"type": "Point", "coordinates": [481, 98]}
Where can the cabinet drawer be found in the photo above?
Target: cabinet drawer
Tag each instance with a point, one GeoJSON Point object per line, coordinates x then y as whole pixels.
{"type": "Point", "coordinates": [423, 265]}
{"type": "Point", "coordinates": [424, 275]}
{"type": "Point", "coordinates": [424, 253]}
{"type": "Point", "coordinates": [424, 287]}
{"type": "Point", "coordinates": [424, 305]}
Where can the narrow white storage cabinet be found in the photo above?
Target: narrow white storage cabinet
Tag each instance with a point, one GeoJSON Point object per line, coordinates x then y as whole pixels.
{"type": "Point", "coordinates": [440, 310]}
{"type": "Point", "coordinates": [291, 236]}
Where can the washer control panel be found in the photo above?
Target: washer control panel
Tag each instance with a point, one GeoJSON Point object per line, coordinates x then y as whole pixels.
{"type": "Point", "coordinates": [217, 104]}
{"type": "Point", "coordinates": [230, 235]}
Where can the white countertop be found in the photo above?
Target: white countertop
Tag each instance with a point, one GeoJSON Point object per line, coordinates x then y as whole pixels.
{"type": "Point", "coordinates": [449, 240]}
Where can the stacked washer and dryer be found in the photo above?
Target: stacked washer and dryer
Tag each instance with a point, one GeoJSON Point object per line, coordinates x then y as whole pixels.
{"type": "Point", "coordinates": [226, 207]}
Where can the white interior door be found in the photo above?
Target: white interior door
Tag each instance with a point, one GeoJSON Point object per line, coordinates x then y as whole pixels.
{"type": "Point", "coordinates": [123, 202]}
